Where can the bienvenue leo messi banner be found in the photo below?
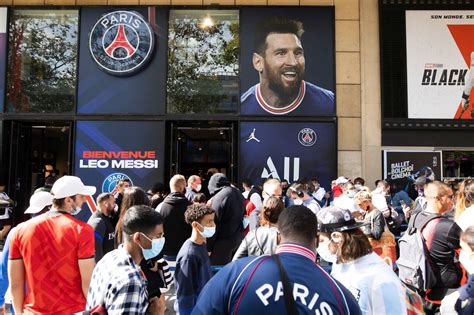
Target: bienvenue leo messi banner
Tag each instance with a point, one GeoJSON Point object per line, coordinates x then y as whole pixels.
{"type": "Point", "coordinates": [108, 151]}
{"type": "Point", "coordinates": [401, 166]}
{"type": "Point", "coordinates": [287, 61]}
{"type": "Point", "coordinates": [288, 150]}
{"type": "Point", "coordinates": [440, 58]}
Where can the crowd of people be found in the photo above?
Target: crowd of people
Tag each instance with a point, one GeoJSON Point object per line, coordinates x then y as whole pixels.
{"type": "Point", "coordinates": [279, 248]}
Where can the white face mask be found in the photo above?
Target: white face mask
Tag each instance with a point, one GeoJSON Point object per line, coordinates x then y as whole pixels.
{"type": "Point", "coordinates": [198, 188]}
{"type": "Point", "coordinates": [75, 209]}
{"type": "Point", "coordinates": [298, 202]}
{"type": "Point", "coordinates": [466, 261]}
{"type": "Point", "coordinates": [357, 187]}
{"type": "Point", "coordinates": [325, 253]}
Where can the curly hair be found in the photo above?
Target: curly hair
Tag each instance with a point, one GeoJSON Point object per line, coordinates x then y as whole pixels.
{"type": "Point", "coordinates": [196, 212]}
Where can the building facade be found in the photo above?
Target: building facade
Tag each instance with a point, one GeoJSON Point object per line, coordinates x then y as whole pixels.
{"type": "Point", "coordinates": [180, 107]}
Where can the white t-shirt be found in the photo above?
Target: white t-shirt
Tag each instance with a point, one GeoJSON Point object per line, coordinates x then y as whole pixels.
{"type": "Point", "coordinates": [374, 285]}
{"type": "Point", "coordinates": [466, 219]}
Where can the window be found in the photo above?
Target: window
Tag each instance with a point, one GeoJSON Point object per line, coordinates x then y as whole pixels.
{"type": "Point", "coordinates": [42, 61]}
{"type": "Point", "coordinates": [203, 65]}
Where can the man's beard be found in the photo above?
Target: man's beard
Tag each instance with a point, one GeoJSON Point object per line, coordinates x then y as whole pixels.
{"type": "Point", "coordinates": [289, 90]}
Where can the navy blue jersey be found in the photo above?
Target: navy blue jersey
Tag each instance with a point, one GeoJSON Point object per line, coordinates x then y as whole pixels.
{"type": "Point", "coordinates": [311, 101]}
{"type": "Point", "coordinates": [252, 285]}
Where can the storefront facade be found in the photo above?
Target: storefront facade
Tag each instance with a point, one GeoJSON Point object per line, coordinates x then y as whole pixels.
{"type": "Point", "coordinates": [426, 79]}
{"type": "Point", "coordinates": [179, 108]}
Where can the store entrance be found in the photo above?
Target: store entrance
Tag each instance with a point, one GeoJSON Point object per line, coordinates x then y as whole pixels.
{"type": "Point", "coordinates": [38, 151]}
{"type": "Point", "coordinates": [199, 148]}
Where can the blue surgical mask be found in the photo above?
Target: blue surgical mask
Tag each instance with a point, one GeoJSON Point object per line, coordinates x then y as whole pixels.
{"type": "Point", "coordinates": [157, 245]}
{"type": "Point", "coordinates": [245, 222]}
{"type": "Point", "coordinates": [208, 231]}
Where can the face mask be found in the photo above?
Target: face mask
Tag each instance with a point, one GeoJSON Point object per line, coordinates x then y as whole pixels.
{"type": "Point", "coordinates": [157, 245]}
{"type": "Point", "coordinates": [351, 194]}
{"type": "Point", "coordinates": [245, 222]}
{"type": "Point", "coordinates": [466, 261]}
{"type": "Point", "coordinates": [324, 252]}
{"type": "Point", "coordinates": [357, 187]}
{"type": "Point", "coordinates": [298, 202]}
{"type": "Point", "coordinates": [198, 188]}
{"type": "Point", "coordinates": [208, 231]}
{"type": "Point", "coordinates": [76, 211]}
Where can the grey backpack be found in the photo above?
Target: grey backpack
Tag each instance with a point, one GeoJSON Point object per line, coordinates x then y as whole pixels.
{"type": "Point", "coordinates": [415, 268]}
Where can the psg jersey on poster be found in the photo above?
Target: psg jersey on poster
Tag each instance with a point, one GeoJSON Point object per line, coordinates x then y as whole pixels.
{"type": "Point", "coordinates": [288, 150]}
{"type": "Point", "coordinates": [311, 100]}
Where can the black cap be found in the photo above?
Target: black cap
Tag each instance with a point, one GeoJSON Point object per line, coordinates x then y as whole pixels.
{"type": "Point", "coordinates": [334, 219]}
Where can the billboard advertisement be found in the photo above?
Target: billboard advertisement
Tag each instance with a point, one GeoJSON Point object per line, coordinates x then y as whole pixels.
{"type": "Point", "coordinates": [288, 150]}
{"type": "Point", "coordinates": [122, 64]}
{"type": "Point", "coordinates": [287, 61]}
{"type": "Point", "coordinates": [404, 167]}
{"type": "Point", "coordinates": [107, 151]}
{"type": "Point", "coordinates": [440, 55]}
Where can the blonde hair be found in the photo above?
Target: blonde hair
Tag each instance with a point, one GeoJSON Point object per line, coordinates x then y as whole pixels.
{"type": "Point", "coordinates": [363, 195]}
{"type": "Point", "coordinates": [464, 196]}
{"type": "Point", "coordinates": [177, 183]}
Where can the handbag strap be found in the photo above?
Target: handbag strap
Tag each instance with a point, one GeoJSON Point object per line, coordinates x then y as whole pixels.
{"type": "Point", "coordinates": [258, 244]}
{"type": "Point", "coordinates": [289, 301]}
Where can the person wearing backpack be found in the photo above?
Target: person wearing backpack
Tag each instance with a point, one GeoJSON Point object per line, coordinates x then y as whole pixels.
{"type": "Point", "coordinates": [434, 258]}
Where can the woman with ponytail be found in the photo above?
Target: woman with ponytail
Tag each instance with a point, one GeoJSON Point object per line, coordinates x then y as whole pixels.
{"type": "Point", "coordinates": [263, 240]}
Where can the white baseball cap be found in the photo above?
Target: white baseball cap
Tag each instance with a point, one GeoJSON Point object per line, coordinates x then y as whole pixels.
{"type": "Point", "coordinates": [38, 201]}
{"type": "Point", "coordinates": [341, 180]}
{"type": "Point", "coordinates": [68, 186]}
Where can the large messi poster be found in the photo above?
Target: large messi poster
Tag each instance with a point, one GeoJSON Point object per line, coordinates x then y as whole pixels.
{"type": "Point", "coordinates": [108, 151]}
{"type": "Point", "coordinates": [122, 64]}
{"type": "Point", "coordinates": [288, 150]}
{"type": "Point", "coordinates": [287, 61]}
{"type": "Point", "coordinates": [440, 59]}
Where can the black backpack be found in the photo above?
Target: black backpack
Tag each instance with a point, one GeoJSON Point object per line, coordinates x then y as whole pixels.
{"type": "Point", "coordinates": [415, 267]}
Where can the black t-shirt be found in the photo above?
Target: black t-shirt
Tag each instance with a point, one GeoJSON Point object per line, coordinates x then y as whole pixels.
{"type": "Point", "coordinates": [442, 239]}
{"type": "Point", "coordinates": [104, 234]}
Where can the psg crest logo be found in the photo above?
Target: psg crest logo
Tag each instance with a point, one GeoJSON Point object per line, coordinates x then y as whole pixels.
{"type": "Point", "coordinates": [110, 183]}
{"type": "Point", "coordinates": [121, 42]}
{"type": "Point", "coordinates": [307, 137]}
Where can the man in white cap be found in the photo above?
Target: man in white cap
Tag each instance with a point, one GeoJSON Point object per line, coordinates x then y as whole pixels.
{"type": "Point", "coordinates": [54, 254]}
{"type": "Point", "coordinates": [40, 202]}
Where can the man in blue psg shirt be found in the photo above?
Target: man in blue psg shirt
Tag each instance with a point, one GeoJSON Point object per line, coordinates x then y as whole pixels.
{"type": "Point", "coordinates": [254, 285]}
{"type": "Point", "coordinates": [279, 59]}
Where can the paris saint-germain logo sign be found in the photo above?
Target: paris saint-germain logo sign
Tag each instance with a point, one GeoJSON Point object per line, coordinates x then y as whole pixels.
{"type": "Point", "coordinates": [121, 42]}
{"type": "Point", "coordinates": [307, 137]}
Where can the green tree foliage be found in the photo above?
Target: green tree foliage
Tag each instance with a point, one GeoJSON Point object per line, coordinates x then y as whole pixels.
{"type": "Point", "coordinates": [42, 62]}
{"type": "Point", "coordinates": [202, 66]}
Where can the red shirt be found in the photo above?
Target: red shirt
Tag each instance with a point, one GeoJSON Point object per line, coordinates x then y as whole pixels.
{"type": "Point", "coordinates": [50, 246]}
